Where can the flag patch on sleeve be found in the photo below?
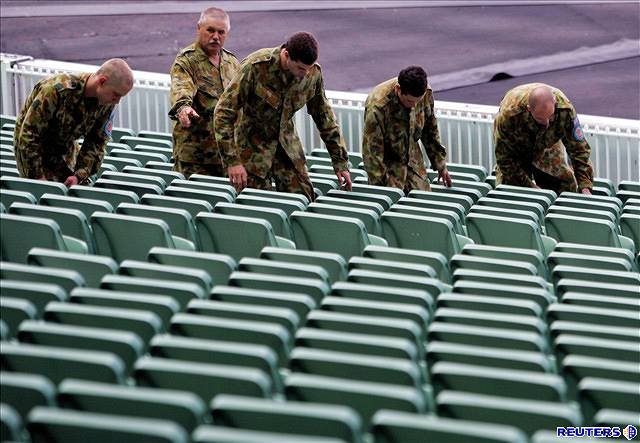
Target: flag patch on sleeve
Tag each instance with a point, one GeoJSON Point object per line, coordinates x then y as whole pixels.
{"type": "Point", "coordinates": [578, 134]}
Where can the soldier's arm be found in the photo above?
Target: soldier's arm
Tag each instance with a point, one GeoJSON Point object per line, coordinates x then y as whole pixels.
{"type": "Point", "coordinates": [579, 151]}
{"type": "Point", "coordinates": [506, 160]}
{"type": "Point", "coordinates": [226, 113]}
{"type": "Point", "coordinates": [31, 136]}
{"type": "Point", "coordinates": [183, 88]}
{"type": "Point", "coordinates": [320, 110]}
{"type": "Point", "coordinates": [431, 138]}
{"type": "Point", "coordinates": [373, 147]}
{"type": "Point", "coordinates": [93, 147]}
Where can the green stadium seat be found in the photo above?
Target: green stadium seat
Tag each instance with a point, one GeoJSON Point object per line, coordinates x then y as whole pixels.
{"type": "Point", "coordinates": [150, 141]}
{"type": "Point", "coordinates": [11, 424]}
{"type": "Point", "coordinates": [8, 197]}
{"type": "Point", "coordinates": [615, 417]}
{"type": "Point", "coordinates": [277, 217]}
{"type": "Point", "coordinates": [139, 189]}
{"type": "Point", "coordinates": [111, 196]}
{"type": "Point", "coordinates": [435, 260]}
{"type": "Point", "coordinates": [580, 272]}
{"type": "Point", "coordinates": [595, 262]}
{"type": "Point", "coordinates": [473, 194]}
{"type": "Point", "coordinates": [61, 425]}
{"type": "Point", "coordinates": [212, 197]}
{"type": "Point", "coordinates": [333, 264]}
{"type": "Point", "coordinates": [299, 302]}
{"type": "Point", "coordinates": [445, 214]}
{"type": "Point", "coordinates": [86, 205]}
{"type": "Point", "coordinates": [39, 294]}
{"type": "Point", "coordinates": [600, 393]}
{"type": "Point", "coordinates": [491, 319]}
{"type": "Point", "coordinates": [589, 287]}
{"type": "Point", "coordinates": [143, 269]}
{"type": "Point", "coordinates": [350, 203]}
{"type": "Point", "coordinates": [180, 291]}
{"type": "Point", "coordinates": [284, 268]}
{"type": "Point", "coordinates": [622, 350]}
{"type": "Point", "coordinates": [64, 278]}
{"type": "Point", "coordinates": [448, 197]}
{"type": "Point", "coordinates": [630, 227]}
{"type": "Point", "coordinates": [15, 311]}
{"type": "Point", "coordinates": [192, 205]}
{"type": "Point", "coordinates": [433, 286]}
{"type": "Point", "coordinates": [166, 176]}
{"type": "Point", "coordinates": [91, 267]}
{"type": "Point", "coordinates": [491, 265]}
{"type": "Point", "coordinates": [24, 391]}
{"type": "Point", "coordinates": [587, 329]}
{"type": "Point", "coordinates": [514, 205]}
{"type": "Point", "coordinates": [369, 217]}
{"type": "Point", "coordinates": [119, 163]}
{"type": "Point", "coordinates": [132, 177]}
{"type": "Point", "coordinates": [218, 266]}
{"type": "Point", "coordinates": [375, 264]}
{"type": "Point", "coordinates": [33, 186]}
{"type": "Point", "coordinates": [533, 257]}
{"type": "Point", "coordinates": [597, 316]}
{"type": "Point", "coordinates": [510, 292]}
{"type": "Point", "coordinates": [502, 278]}
{"type": "Point", "coordinates": [389, 294]}
{"type": "Point", "coordinates": [506, 339]}
{"type": "Point", "coordinates": [316, 289]}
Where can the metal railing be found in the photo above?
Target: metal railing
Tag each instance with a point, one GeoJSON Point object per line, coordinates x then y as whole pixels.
{"type": "Point", "coordinates": [465, 129]}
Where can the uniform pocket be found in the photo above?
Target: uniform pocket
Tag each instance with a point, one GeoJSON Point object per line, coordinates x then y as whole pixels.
{"type": "Point", "coordinates": [270, 97]}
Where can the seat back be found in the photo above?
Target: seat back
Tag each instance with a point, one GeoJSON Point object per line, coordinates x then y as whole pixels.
{"type": "Point", "coordinates": [504, 231]}
{"type": "Point", "coordinates": [179, 220]}
{"type": "Point", "coordinates": [19, 233]}
{"type": "Point", "coordinates": [566, 228]}
{"type": "Point", "coordinates": [35, 187]}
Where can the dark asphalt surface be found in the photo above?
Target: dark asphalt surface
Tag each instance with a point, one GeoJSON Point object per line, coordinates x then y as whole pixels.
{"type": "Point", "coordinates": [362, 47]}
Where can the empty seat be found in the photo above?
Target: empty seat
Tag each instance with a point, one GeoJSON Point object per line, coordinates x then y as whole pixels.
{"type": "Point", "coordinates": [134, 178]}
{"type": "Point", "coordinates": [534, 257]}
{"type": "Point", "coordinates": [218, 266]}
{"type": "Point", "coordinates": [504, 278]}
{"type": "Point", "coordinates": [48, 425]}
{"type": "Point", "coordinates": [8, 197]}
{"type": "Point", "coordinates": [598, 393]}
{"type": "Point", "coordinates": [182, 292]}
{"type": "Point", "coordinates": [284, 268]}
{"type": "Point", "coordinates": [489, 337]}
{"type": "Point", "coordinates": [33, 186]}
{"type": "Point", "coordinates": [509, 292]}
{"type": "Point", "coordinates": [236, 236]}
{"type": "Point", "coordinates": [379, 293]}
{"type": "Point", "coordinates": [432, 259]}
{"type": "Point", "coordinates": [24, 391]}
{"type": "Point", "coordinates": [513, 205]}
{"type": "Point", "coordinates": [596, 262]}
{"type": "Point", "coordinates": [138, 188]}
{"type": "Point", "coordinates": [128, 237]}
{"type": "Point", "coordinates": [183, 408]}
{"type": "Point", "coordinates": [491, 319]}
{"type": "Point", "coordinates": [316, 289]}
{"type": "Point", "coordinates": [449, 215]}
{"type": "Point", "coordinates": [586, 273]}
{"type": "Point", "coordinates": [151, 141]}
{"type": "Point", "coordinates": [277, 217]}
{"type": "Point", "coordinates": [112, 196]}
{"type": "Point", "coordinates": [433, 286]}
{"type": "Point", "coordinates": [87, 205]}
{"type": "Point", "coordinates": [167, 176]}
{"type": "Point", "coordinates": [143, 269]}
{"type": "Point", "coordinates": [39, 294]}
{"type": "Point", "coordinates": [350, 203]}
{"type": "Point", "coordinates": [333, 264]}
{"type": "Point", "coordinates": [587, 314]}
{"type": "Point", "coordinates": [367, 216]}
{"type": "Point", "coordinates": [192, 205]}
{"type": "Point", "coordinates": [590, 287]}
{"type": "Point", "coordinates": [15, 311]}
{"type": "Point", "coordinates": [305, 418]}
{"type": "Point", "coordinates": [565, 228]}
{"type": "Point", "coordinates": [91, 267]}
{"type": "Point", "coordinates": [462, 261]}
{"type": "Point", "coordinates": [212, 197]}
{"type": "Point", "coordinates": [12, 427]}
{"type": "Point", "coordinates": [64, 278]}
{"type": "Point", "coordinates": [630, 227]}
{"type": "Point", "coordinates": [375, 264]}
{"type": "Point", "coordinates": [463, 200]}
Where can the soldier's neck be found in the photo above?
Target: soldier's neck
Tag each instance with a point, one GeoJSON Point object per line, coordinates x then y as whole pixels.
{"type": "Point", "coordinates": [215, 57]}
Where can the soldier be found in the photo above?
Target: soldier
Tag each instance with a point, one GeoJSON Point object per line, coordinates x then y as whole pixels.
{"type": "Point", "coordinates": [260, 102]}
{"type": "Point", "coordinates": [533, 126]}
{"type": "Point", "coordinates": [398, 113]}
{"type": "Point", "coordinates": [198, 76]}
{"type": "Point", "coordinates": [63, 108]}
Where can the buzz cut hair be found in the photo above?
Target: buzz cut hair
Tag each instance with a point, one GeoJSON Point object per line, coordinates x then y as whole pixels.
{"type": "Point", "coordinates": [215, 13]}
{"type": "Point", "coordinates": [541, 95]}
{"type": "Point", "coordinates": [413, 81]}
{"type": "Point", "coordinates": [118, 73]}
{"type": "Point", "coordinates": [302, 47]}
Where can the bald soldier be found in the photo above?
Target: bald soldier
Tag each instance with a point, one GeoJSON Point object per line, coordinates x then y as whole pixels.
{"type": "Point", "coordinates": [260, 102]}
{"type": "Point", "coordinates": [397, 114]}
{"type": "Point", "coordinates": [534, 125]}
{"type": "Point", "coordinates": [59, 111]}
{"type": "Point", "coordinates": [199, 74]}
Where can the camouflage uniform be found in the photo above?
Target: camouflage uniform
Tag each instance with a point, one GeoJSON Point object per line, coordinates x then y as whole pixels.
{"type": "Point", "coordinates": [54, 116]}
{"type": "Point", "coordinates": [390, 149]}
{"type": "Point", "coordinates": [261, 102]}
{"type": "Point", "coordinates": [196, 82]}
{"type": "Point", "coordinates": [526, 151]}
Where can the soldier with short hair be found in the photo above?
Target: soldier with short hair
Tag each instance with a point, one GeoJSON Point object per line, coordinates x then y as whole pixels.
{"type": "Point", "coordinates": [534, 125]}
{"type": "Point", "coordinates": [199, 74]}
{"type": "Point", "coordinates": [259, 105]}
{"type": "Point", "coordinates": [60, 110]}
{"type": "Point", "coordinates": [398, 113]}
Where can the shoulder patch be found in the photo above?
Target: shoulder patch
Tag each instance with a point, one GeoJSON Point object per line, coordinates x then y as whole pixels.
{"type": "Point", "coordinates": [108, 126]}
{"type": "Point", "coordinates": [578, 134]}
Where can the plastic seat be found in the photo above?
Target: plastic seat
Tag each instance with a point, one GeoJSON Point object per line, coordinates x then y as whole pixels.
{"type": "Point", "coordinates": [462, 261]}
{"type": "Point", "coordinates": [143, 323]}
{"type": "Point", "coordinates": [389, 294]}
{"type": "Point", "coordinates": [8, 197]}
{"type": "Point", "coordinates": [166, 152]}
{"type": "Point", "coordinates": [376, 264]}
{"type": "Point", "coordinates": [364, 344]}
{"type": "Point", "coordinates": [435, 260]}
{"type": "Point", "coordinates": [20, 233]}
{"type": "Point", "coordinates": [133, 177]}
{"type": "Point", "coordinates": [119, 163]}
{"type": "Point", "coordinates": [383, 200]}
{"type": "Point", "coordinates": [601, 263]}
{"type": "Point", "coordinates": [11, 424]}
{"type": "Point", "coordinates": [167, 176]}
{"type": "Point", "coordinates": [431, 285]}
{"type": "Point", "coordinates": [597, 393]}
{"type": "Point", "coordinates": [621, 350]}
{"type": "Point", "coordinates": [597, 288]}
{"type": "Point", "coordinates": [508, 232]}
{"type": "Point", "coordinates": [298, 302]}
{"type": "Point", "coordinates": [324, 186]}
{"type": "Point", "coordinates": [24, 391]}
{"type": "Point", "coordinates": [491, 319]}
{"type": "Point", "coordinates": [369, 217]}
{"type": "Point", "coordinates": [184, 408]}
{"type": "Point", "coordinates": [305, 418]}
{"type": "Point", "coordinates": [316, 289]}
{"type": "Point", "coordinates": [597, 316]}
{"type": "Point", "coordinates": [528, 415]}
{"type": "Point", "coordinates": [272, 335]}
{"type": "Point", "coordinates": [163, 306]}
{"type": "Point", "coordinates": [138, 188]}
{"type": "Point", "coordinates": [182, 292]}
{"type": "Point", "coordinates": [533, 257]}
{"type": "Point", "coordinates": [118, 133]}
{"type": "Point", "coordinates": [91, 267]}
{"type": "Point", "coordinates": [192, 205]}
{"type": "Point", "coordinates": [236, 236]}
{"type": "Point", "coordinates": [210, 179]}
{"type": "Point", "coordinates": [615, 417]}
{"type": "Point", "coordinates": [624, 195]}
{"type": "Point", "coordinates": [578, 367]}
{"type": "Point", "coordinates": [630, 227]}
{"type": "Point", "coordinates": [602, 251]}
{"type": "Point", "coordinates": [600, 301]}
{"type": "Point", "coordinates": [578, 272]}
{"type": "Point", "coordinates": [111, 196]}
{"type": "Point", "coordinates": [33, 186]}
{"type": "Point", "coordinates": [15, 311]}
{"type": "Point", "coordinates": [150, 141]}
{"type": "Point", "coordinates": [58, 363]}
{"type": "Point", "coordinates": [86, 205]}
{"type": "Point", "coordinates": [342, 235]}
{"type": "Point", "coordinates": [516, 306]}
{"type": "Point", "coordinates": [587, 329]}
{"type": "Point", "coordinates": [64, 278]}
{"type": "Point", "coordinates": [128, 237]}
{"type": "Point", "coordinates": [514, 205]}
{"type": "Point", "coordinates": [126, 345]}
{"type": "Point", "coordinates": [366, 398]}
{"type": "Point", "coordinates": [207, 185]}
{"type": "Point", "coordinates": [449, 215]}
{"type": "Point", "coordinates": [218, 266]}
{"type": "Point", "coordinates": [463, 200]}
{"type": "Point", "coordinates": [476, 186]}
{"type": "Point", "coordinates": [510, 292]}
{"type": "Point", "coordinates": [393, 426]}
{"type": "Point", "coordinates": [72, 222]}
{"type": "Point", "coordinates": [277, 217]}
{"type": "Point", "coordinates": [541, 198]}
{"type": "Point", "coordinates": [286, 205]}
{"type": "Point", "coordinates": [161, 166]}
{"type": "Point", "coordinates": [47, 424]}
{"type": "Point", "coordinates": [38, 294]}
{"type": "Point", "coordinates": [506, 339]}
{"type": "Point", "coordinates": [505, 212]}
{"type": "Point", "coordinates": [489, 357]}
{"type": "Point", "coordinates": [333, 264]}
{"type": "Point", "coordinates": [350, 203]}
{"type": "Point", "coordinates": [212, 197]}
{"type": "Point", "coordinates": [591, 198]}
{"type": "Point", "coordinates": [502, 278]}
{"type": "Point", "coordinates": [180, 221]}
{"type": "Point", "coordinates": [284, 268]}
{"type": "Point", "coordinates": [199, 350]}
{"type": "Point", "coordinates": [423, 233]}
{"type": "Point", "coordinates": [473, 194]}
{"type": "Point", "coordinates": [393, 193]}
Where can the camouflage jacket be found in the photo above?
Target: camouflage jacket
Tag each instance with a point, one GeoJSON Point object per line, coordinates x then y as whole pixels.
{"type": "Point", "coordinates": [198, 83]}
{"type": "Point", "coordinates": [54, 116]}
{"type": "Point", "coordinates": [391, 135]}
{"type": "Point", "coordinates": [520, 142]}
{"type": "Point", "coordinates": [260, 103]}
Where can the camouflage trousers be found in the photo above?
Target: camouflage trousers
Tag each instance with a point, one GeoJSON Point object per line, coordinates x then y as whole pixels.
{"type": "Point", "coordinates": [54, 168]}
{"type": "Point", "coordinates": [407, 180]}
{"type": "Point", "coordinates": [286, 176]}
{"type": "Point", "coordinates": [187, 169]}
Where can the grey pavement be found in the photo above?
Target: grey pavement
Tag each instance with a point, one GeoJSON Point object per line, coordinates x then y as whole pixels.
{"type": "Point", "coordinates": [571, 45]}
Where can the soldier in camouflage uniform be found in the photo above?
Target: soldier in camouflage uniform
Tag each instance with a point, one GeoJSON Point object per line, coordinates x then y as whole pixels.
{"type": "Point", "coordinates": [533, 127]}
{"type": "Point", "coordinates": [399, 113]}
{"type": "Point", "coordinates": [60, 110]}
{"type": "Point", "coordinates": [199, 74]}
{"type": "Point", "coordinates": [259, 105]}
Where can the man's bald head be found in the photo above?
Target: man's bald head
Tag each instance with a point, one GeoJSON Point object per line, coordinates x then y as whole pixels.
{"type": "Point", "coordinates": [542, 105]}
{"type": "Point", "coordinates": [118, 73]}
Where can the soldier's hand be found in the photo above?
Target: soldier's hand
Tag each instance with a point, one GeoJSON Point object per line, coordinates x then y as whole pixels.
{"type": "Point", "coordinates": [443, 175]}
{"type": "Point", "coordinates": [237, 177]}
{"type": "Point", "coordinates": [72, 180]}
{"type": "Point", "coordinates": [186, 114]}
{"type": "Point", "coordinates": [344, 180]}
{"type": "Point", "coordinates": [586, 191]}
